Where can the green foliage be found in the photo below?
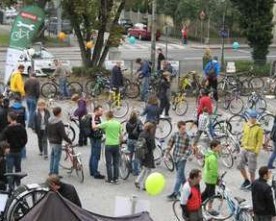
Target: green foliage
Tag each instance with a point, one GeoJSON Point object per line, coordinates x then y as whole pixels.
{"type": "Point", "coordinates": [89, 72]}
{"type": "Point", "coordinates": [245, 65]}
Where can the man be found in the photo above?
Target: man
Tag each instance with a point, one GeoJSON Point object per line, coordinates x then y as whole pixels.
{"type": "Point", "coordinates": [211, 173]}
{"type": "Point", "coordinates": [252, 142]}
{"type": "Point", "coordinates": [32, 89]}
{"type": "Point", "coordinates": [117, 76]}
{"type": "Point", "coordinates": [144, 72]}
{"type": "Point", "coordinates": [16, 136]}
{"type": "Point", "coordinates": [16, 81]}
{"type": "Point", "coordinates": [4, 107]}
{"type": "Point", "coordinates": [165, 93]}
{"type": "Point", "coordinates": [112, 129]}
{"type": "Point", "coordinates": [263, 202]}
{"type": "Point", "coordinates": [190, 199]}
{"type": "Point", "coordinates": [62, 75]}
{"type": "Point", "coordinates": [160, 58]}
{"type": "Point", "coordinates": [211, 72]}
{"type": "Point", "coordinates": [66, 190]}
{"type": "Point", "coordinates": [96, 144]}
{"type": "Point", "coordinates": [180, 142]}
{"type": "Point", "coordinates": [56, 133]}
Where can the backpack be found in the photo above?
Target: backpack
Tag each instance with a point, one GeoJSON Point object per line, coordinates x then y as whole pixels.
{"type": "Point", "coordinates": [273, 133]}
{"type": "Point", "coordinates": [141, 148]}
{"type": "Point", "coordinates": [211, 73]}
{"type": "Point", "coordinates": [86, 123]}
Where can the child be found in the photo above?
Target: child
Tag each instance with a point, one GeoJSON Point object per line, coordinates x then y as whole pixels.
{"type": "Point", "coordinates": [152, 110]}
{"type": "Point", "coordinates": [4, 147]}
{"type": "Point", "coordinates": [40, 123]}
{"type": "Point", "coordinates": [80, 112]}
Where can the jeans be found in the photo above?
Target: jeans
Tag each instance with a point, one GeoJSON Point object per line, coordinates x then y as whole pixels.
{"type": "Point", "coordinates": [82, 137]}
{"type": "Point", "coordinates": [96, 145]}
{"type": "Point", "coordinates": [112, 156]}
{"type": "Point", "coordinates": [63, 89]}
{"type": "Point", "coordinates": [180, 175]}
{"type": "Point", "coordinates": [142, 176]}
{"type": "Point", "coordinates": [55, 158]}
{"type": "Point", "coordinates": [42, 142]}
{"type": "Point", "coordinates": [23, 153]}
{"type": "Point", "coordinates": [272, 156]}
{"type": "Point", "coordinates": [135, 163]}
{"type": "Point", "coordinates": [145, 88]}
{"type": "Point", "coordinates": [31, 105]}
{"type": "Point", "coordinates": [13, 160]}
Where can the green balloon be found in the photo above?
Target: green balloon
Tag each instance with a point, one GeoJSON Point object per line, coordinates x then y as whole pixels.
{"type": "Point", "coordinates": [155, 184]}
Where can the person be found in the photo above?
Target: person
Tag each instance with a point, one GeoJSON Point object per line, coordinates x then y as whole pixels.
{"type": "Point", "coordinates": [16, 136]}
{"type": "Point", "coordinates": [204, 102]}
{"type": "Point", "coordinates": [160, 58]}
{"type": "Point", "coordinates": [40, 124]}
{"type": "Point", "coordinates": [262, 197]}
{"type": "Point", "coordinates": [4, 148]}
{"type": "Point", "coordinates": [252, 142]}
{"type": "Point", "coordinates": [148, 162]}
{"type": "Point", "coordinates": [62, 75]}
{"type": "Point", "coordinates": [164, 93]}
{"type": "Point", "coordinates": [56, 133]}
{"type": "Point", "coordinates": [134, 127]}
{"type": "Point", "coordinates": [211, 72]}
{"type": "Point", "coordinates": [117, 77]}
{"type": "Point", "coordinates": [207, 57]}
{"type": "Point", "coordinates": [66, 190]}
{"type": "Point", "coordinates": [32, 90]}
{"type": "Point", "coordinates": [16, 81]}
{"type": "Point", "coordinates": [96, 144]}
{"type": "Point", "coordinates": [152, 110]}
{"type": "Point", "coordinates": [211, 173]}
{"type": "Point", "coordinates": [179, 142]}
{"type": "Point", "coordinates": [184, 32]}
{"type": "Point", "coordinates": [273, 139]}
{"type": "Point", "coordinates": [80, 112]}
{"type": "Point", "coordinates": [144, 72]}
{"type": "Point", "coordinates": [4, 107]}
{"type": "Point", "coordinates": [112, 129]}
{"type": "Point", "coordinates": [190, 200]}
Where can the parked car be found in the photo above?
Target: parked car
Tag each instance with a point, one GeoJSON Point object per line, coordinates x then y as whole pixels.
{"type": "Point", "coordinates": [43, 62]}
{"type": "Point", "coordinates": [126, 24]}
{"type": "Point", "coordinates": [142, 32]}
{"type": "Point", "coordinates": [7, 15]}
{"type": "Point", "coordinates": [52, 25]}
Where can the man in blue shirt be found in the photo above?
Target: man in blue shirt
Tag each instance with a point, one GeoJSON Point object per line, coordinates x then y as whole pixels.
{"type": "Point", "coordinates": [144, 73]}
{"type": "Point", "coordinates": [211, 73]}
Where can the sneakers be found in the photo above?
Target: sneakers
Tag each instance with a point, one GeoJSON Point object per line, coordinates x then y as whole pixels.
{"type": "Point", "coordinates": [99, 176]}
{"type": "Point", "coordinates": [172, 197]}
{"type": "Point", "coordinates": [246, 184]}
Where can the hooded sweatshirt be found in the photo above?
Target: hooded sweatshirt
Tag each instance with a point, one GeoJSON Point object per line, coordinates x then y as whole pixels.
{"type": "Point", "coordinates": [56, 132]}
{"type": "Point", "coordinates": [211, 171]}
{"type": "Point", "coordinates": [252, 139]}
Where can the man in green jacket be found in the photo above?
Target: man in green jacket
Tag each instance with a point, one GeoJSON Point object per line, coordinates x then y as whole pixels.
{"type": "Point", "coordinates": [211, 173]}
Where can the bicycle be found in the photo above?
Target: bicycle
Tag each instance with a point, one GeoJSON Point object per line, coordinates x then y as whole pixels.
{"type": "Point", "coordinates": [190, 83]}
{"type": "Point", "coordinates": [227, 205]}
{"type": "Point", "coordinates": [96, 86]}
{"type": "Point", "coordinates": [179, 103]}
{"type": "Point", "coordinates": [49, 89]}
{"type": "Point", "coordinates": [71, 160]}
{"type": "Point", "coordinates": [233, 102]}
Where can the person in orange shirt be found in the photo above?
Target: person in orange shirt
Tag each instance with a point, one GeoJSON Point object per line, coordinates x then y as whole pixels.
{"type": "Point", "coordinates": [16, 81]}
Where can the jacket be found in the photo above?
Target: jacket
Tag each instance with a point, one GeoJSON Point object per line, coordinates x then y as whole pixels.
{"type": "Point", "coordinates": [134, 129]}
{"type": "Point", "coordinates": [148, 161]}
{"type": "Point", "coordinates": [205, 102]}
{"type": "Point", "coordinates": [252, 139]}
{"type": "Point", "coordinates": [56, 131]}
{"type": "Point", "coordinates": [69, 192]}
{"type": "Point", "coordinates": [37, 120]}
{"type": "Point", "coordinates": [17, 83]}
{"type": "Point", "coordinates": [209, 66]}
{"type": "Point", "coordinates": [81, 110]}
{"type": "Point", "coordinates": [211, 171]}
{"type": "Point", "coordinates": [164, 89]}
{"type": "Point", "coordinates": [116, 77]}
{"type": "Point", "coordinates": [32, 88]}
{"type": "Point", "coordinates": [194, 202]}
{"type": "Point", "coordinates": [263, 203]}
{"type": "Point", "coordinates": [20, 110]}
{"type": "Point", "coordinates": [152, 113]}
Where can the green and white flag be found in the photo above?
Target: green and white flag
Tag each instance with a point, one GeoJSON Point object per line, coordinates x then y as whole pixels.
{"type": "Point", "coordinates": [25, 28]}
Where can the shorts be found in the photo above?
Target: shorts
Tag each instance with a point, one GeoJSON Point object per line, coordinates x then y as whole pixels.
{"type": "Point", "coordinates": [249, 158]}
{"type": "Point", "coordinates": [210, 190]}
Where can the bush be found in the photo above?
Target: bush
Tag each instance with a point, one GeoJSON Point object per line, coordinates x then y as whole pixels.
{"type": "Point", "coordinates": [89, 72]}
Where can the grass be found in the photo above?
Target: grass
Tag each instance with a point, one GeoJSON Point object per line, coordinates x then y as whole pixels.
{"type": "Point", "coordinates": [4, 40]}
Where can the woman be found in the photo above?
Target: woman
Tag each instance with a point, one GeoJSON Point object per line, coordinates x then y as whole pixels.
{"type": "Point", "coordinates": [152, 110]}
{"type": "Point", "coordinates": [206, 57]}
{"type": "Point", "coordinates": [147, 162]}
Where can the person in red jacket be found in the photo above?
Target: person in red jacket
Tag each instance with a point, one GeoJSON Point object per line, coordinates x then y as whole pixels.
{"type": "Point", "coordinates": [190, 200]}
{"type": "Point", "coordinates": [205, 102]}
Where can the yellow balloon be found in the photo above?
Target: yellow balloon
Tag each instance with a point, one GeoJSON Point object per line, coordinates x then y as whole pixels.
{"type": "Point", "coordinates": [155, 184]}
{"type": "Point", "coordinates": [89, 44]}
{"type": "Point", "coordinates": [61, 36]}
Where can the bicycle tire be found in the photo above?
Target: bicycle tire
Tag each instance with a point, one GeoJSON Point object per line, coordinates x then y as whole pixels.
{"type": "Point", "coordinates": [49, 90]}
{"type": "Point", "coordinates": [163, 128]}
{"type": "Point", "coordinates": [237, 121]}
{"type": "Point", "coordinates": [74, 88]}
{"type": "Point", "coordinates": [90, 84]}
{"type": "Point", "coordinates": [219, 127]}
{"type": "Point", "coordinates": [70, 132]}
{"type": "Point", "coordinates": [65, 161]}
{"type": "Point", "coordinates": [181, 108]}
{"type": "Point", "coordinates": [119, 111]}
{"type": "Point", "coordinates": [124, 167]}
{"type": "Point", "coordinates": [256, 83]}
{"type": "Point", "coordinates": [245, 215]}
{"type": "Point", "coordinates": [221, 203]}
{"type": "Point", "coordinates": [157, 154]}
{"type": "Point", "coordinates": [261, 105]}
{"type": "Point", "coordinates": [132, 90]}
{"type": "Point", "coordinates": [266, 121]}
{"type": "Point", "coordinates": [79, 169]}
{"type": "Point", "coordinates": [226, 154]}
{"type": "Point", "coordinates": [177, 210]}
{"type": "Point", "coordinates": [236, 105]}
{"type": "Point", "coordinates": [169, 163]}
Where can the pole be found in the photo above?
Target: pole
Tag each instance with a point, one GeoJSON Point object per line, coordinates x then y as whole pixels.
{"type": "Point", "coordinates": [59, 13]}
{"type": "Point", "coordinates": [166, 42]}
{"type": "Point", "coordinates": [153, 34]}
{"type": "Point", "coordinates": [222, 36]}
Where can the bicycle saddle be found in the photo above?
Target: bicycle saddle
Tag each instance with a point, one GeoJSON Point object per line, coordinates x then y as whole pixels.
{"type": "Point", "coordinates": [239, 200]}
{"type": "Point", "coordinates": [17, 175]}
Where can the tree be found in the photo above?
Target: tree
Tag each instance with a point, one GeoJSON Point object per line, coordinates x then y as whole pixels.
{"type": "Point", "coordinates": [256, 21]}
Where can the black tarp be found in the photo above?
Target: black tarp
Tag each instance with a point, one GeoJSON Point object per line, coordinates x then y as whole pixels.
{"type": "Point", "coordinates": [54, 207]}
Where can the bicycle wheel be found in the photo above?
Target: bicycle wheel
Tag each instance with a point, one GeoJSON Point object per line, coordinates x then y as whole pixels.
{"type": "Point", "coordinates": [222, 127]}
{"type": "Point", "coordinates": [261, 105]}
{"type": "Point", "coordinates": [65, 161]}
{"type": "Point", "coordinates": [245, 88]}
{"type": "Point", "coordinates": [266, 121]}
{"type": "Point", "coordinates": [74, 88]}
{"type": "Point", "coordinates": [246, 215]}
{"type": "Point", "coordinates": [177, 210]}
{"type": "Point", "coordinates": [169, 163]}
{"type": "Point", "coordinates": [256, 83]}
{"type": "Point", "coordinates": [70, 132]}
{"type": "Point", "coordinates": [48, 90]}
{"type": "Point", "coordinates": [124, 167]}
{"type": "Point", "coordinates": [79, 168]}
{"type": "Point", "coordinates": [132, 90]}
{"type": "Point", "coordinates": [191, 128]}
{"type": "Point", "coordinates": [90, 84]}
{"type": "Point", "coordinates": [220, 205]}
{"type": "Point", "coordinates": [237, 121]}
{"type": "Point", "coordinates": [236, 105]}
{"type": "Point", "coordinates": [120, 110]}
{"type": "Point", "coordinates": [181, 108]}
{"type": "Point", "coordinates": [163, 129]}
{"type": "Point", "coordinates": [226, 153]}
{"type": "Point", "coordinates": [157, 154]}
{"type": "Point", "coordinates": [222, 89]}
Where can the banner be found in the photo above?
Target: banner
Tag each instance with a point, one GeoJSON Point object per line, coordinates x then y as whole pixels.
{"type": "Point", "coordinates": [25, 28]}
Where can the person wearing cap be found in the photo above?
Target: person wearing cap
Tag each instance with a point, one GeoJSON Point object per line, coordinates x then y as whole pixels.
{"type": "Point", "coordinates": [252, 142]}
{"type": "Point", "coordinates": [165, 93]}
{"type": "Point", "coordinates": [16, 81]}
